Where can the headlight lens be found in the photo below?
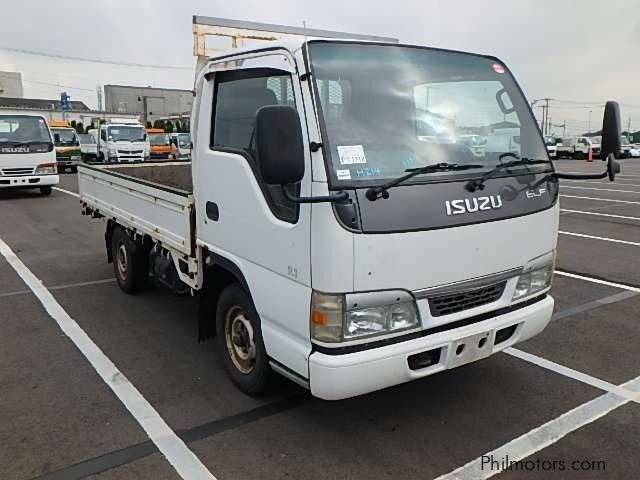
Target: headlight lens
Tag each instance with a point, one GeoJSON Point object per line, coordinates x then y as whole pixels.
{"type": "Point", "coordinates": [46, 169]}
{"type": "Point", "coordinates": [112, 152]}
{"type": "Point", "coordinates": [336, 317]}
{"type": "Point", "coordinates": [536, 276]}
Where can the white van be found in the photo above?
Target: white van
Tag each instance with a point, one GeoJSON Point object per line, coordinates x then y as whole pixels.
{"type": "Point", "coordinates": [27, 156]}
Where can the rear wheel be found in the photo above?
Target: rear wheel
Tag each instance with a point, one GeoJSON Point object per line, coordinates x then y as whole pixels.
{"type": "Point", "coordinates": [45, 191]}
{"type": "Point", "coordinates": [240, 342]}
{"type": "Point", "coordinates": [74, 169]}
{"type": "Point", "coordinates": [578, 155]}
{"type": "Point", "coordinates": [130, 263]}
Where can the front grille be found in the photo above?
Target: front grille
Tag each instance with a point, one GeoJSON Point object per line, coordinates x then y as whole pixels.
{"type": "Point", "coordinates": [16, 172]}
{"type": "Point", "coordinates": [130, 152]}
{"type": "Point", "coordinates": [457, 302]}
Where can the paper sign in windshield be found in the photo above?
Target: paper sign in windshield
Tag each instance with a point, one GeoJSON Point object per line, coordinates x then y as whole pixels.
{"type": "Point", "coordinates": [351, 154]}
{"type": "Point", "coordinates": [343, 174]}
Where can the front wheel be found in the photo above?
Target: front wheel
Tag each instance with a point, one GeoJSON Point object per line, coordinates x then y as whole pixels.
{"type": "Point", "coordinates": [239, 340]}
{"type": "Point", "coordinates": [45, 191]}
{"type": "Point", "coordinates": [130, 263]}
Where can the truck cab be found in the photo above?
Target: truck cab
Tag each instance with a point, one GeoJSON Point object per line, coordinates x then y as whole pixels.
{"type": "Point", "coordinates": [27, 155]}
{"type": "Point", "coordinates": [160, 143]}
{"type": "Point", "coordinates": [67, 145]}
{"type": "Point", "coordinates": [122, 141]}
{"type": "Point", "coordinates": [335, 229]}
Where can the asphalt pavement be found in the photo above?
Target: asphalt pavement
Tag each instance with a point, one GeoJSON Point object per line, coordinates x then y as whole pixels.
{"type": "Point", "coordinates": [552, 401]}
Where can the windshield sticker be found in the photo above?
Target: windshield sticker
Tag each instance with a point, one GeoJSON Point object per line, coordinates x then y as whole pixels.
{"type": "Point", "coordinates": [497, 68]}
{"type": "Point", "coordinates": [343, 174]}
{"type": "Point", "coordinates": [350, 154]}
{"type": "Point", "coordinates": [368, 172]}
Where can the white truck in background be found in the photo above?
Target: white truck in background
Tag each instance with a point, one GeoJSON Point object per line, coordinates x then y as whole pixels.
{"type": "Point", "coordinates": [329, 241]}
{"type": "Point", "coordinates": [575, 147]}
{"type": "Point", "coordinates": [121, 140]}
{"type": "Point", "coordinates": [27, 154]}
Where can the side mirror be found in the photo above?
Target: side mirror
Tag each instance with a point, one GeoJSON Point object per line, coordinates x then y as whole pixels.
{"type": "Point", "coordinates": [610, 131]}
{"type": "Point", "coordinates": [279, 144]}
{"type": "Point", "coordinates": [56, 138]}
{"type": "Point", "coordinates": [110, 138]}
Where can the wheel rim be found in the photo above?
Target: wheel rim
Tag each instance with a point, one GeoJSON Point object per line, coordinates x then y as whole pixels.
{"type": "Point", "coordinates": [239, 338]}
{"type": "Point", "coordinates": [121, 261]}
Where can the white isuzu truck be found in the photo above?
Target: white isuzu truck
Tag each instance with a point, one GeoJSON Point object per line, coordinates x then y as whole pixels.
{"type": "Point", "coordinates": [330, 240]}
{"type": "Point", "coordinates": [27, 154]}
{"type": "Point", "coordinates": [121, 140]}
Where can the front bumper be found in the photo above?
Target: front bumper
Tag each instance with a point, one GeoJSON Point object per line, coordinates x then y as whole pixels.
{"type": "Point", "coordinates": [68, 161]}
{"type": "Point", "coordinates": [29, 181]}
{"type": "Point", "coordinates": [334, 377]}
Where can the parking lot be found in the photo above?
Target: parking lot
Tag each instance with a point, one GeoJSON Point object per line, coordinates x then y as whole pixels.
{"type": "Point", "coordinates": [569, 397]}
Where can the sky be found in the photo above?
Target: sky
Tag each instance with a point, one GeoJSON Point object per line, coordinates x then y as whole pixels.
{"type": "Point", "coordinates": [579, 53]}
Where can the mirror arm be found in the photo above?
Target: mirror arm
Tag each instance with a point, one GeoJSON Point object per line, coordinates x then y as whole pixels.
{"type": "Point", "coordinates": [578, 176]}
{"type": "Point", "coordinates": [339, 197]}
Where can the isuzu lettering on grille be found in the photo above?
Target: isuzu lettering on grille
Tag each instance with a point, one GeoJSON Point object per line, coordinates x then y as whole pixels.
{"type": "Point", "coordinates": [473, 205]}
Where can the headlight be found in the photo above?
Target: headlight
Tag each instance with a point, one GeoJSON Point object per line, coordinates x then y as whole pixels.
{"type": "Point", "coordinates": [338, 317]}
{"type": "Point", "coordinates": [46, 169]}
{"type": "Point", "coordinates": [112, 152]}
{"type": "Point", "coordinates": [536, 276]}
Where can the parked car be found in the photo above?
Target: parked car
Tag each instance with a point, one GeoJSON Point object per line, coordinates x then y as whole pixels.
{"type": "Point", "coordinates": [551, 143]}
{"type": "Point", "coordinates": [634, 151]}
{"type": "Point", "coordinates": [27, 154]}
{"type": "Point", "coordinates": [180, 146]}
{"type": "Point", "coordinates": [88, 147]}
{"type": "Point", "coordinates": [625, 147]}
{"type": "Point", "coordinates": [67, 145]}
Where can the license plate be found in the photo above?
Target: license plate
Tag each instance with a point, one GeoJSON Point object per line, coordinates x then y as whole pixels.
{"type": "Point", "coordinates": [469, 349]}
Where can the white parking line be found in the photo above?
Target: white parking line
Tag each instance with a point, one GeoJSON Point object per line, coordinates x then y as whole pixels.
{"type": "Point", "coordinates": [600, 199]}
{"type": "Point", "coordinates": [605, 239]}
{"type": "Point", "coordinates": [602, 182]}
{"type": "Point", "coordinates": [61, 287]}
{"type": "Point", "coordinates": [73, 194]}
{"type": "Point", "coordinates": [540, 437]}
{"type": "Point", "coordinates": [601, 189]}
{"type": "Point", "coordinates": [185, 462]}
{"type": "Point", "coordinates": [611, 215]}
{"type": "Point", "coordinates": [597, 280]}
{"type": "Point", "coordinates": [575, 374]}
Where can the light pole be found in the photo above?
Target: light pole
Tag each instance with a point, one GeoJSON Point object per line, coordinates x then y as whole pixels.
{"type": "Point", "coordinates": [589, 124]}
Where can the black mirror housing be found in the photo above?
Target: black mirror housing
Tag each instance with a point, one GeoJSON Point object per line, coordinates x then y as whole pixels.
{"type": "Point", "coordinates": [610, 130]}
{"type": "Point", "coordinates": [279, 144]}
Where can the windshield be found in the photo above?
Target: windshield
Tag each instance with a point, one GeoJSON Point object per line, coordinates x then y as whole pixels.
{"type": "Point", "coordinates": [551, 141]}
{"type": "Point", "coordinates": [596, 140]}
{"type": "Point", "coordinates": [184, 139]}
{"type": "Point", "coordinates": [66, 136]}
{"type": "Point", "coordinates": [23, 129]}
{"type": "Point", "coordinates": [159, 138]}
{"type": "Point", "coordinates": [127, 134]}
{"type": "Point", "coordinates": [388, 108]}
{"type": "Point", "coordinates": [85, 138]}
{"type": "Point", "coordinates": [624, 140]}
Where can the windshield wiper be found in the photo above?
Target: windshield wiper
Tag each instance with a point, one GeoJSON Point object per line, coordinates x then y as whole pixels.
{"type": "Point", "coordinates": [478, 184]}
{"type": "Point", "coordinates": [381, 191]}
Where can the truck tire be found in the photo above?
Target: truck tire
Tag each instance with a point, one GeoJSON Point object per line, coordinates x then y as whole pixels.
{"type": "Point", "coordinates": [74, 169]}
{"type": "Point", "coordinates": [45, 191]}
{"type": "Point", "coordinates": [240, 343]}
{"type": "Point", "coordinates": [578, 155]}
{"type": "Point", "coordinates": [130, 263]}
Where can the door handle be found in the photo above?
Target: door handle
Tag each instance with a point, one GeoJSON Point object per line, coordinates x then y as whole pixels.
{"type": "Point", "coordinates": [212, 211]}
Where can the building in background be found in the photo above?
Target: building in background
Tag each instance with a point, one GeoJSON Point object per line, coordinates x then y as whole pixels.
{"type": "Point", "coordinates": [51, 111]}
{"type": "Point", "coordinates": [150, 103]}
{"type": "Point", "coordinates": [11, 85]}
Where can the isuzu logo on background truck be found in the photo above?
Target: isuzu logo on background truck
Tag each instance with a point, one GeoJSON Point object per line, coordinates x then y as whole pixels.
{"type": "Point", "coordinates": [27, 155]}
{"type": "Point", "coordinates": [313, 218]}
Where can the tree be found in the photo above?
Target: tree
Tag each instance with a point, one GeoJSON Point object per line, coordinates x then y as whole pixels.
{"type": "Point", "coordinates": [168, 127]}
{"type": "Point", "coordinates": [73, 124]}
{"type": "Point", "coordinates": [90, 127]}
{"type": "Point", "coordinates": [79, 127]}
{"type": "Point", "coordinates": [148, 125]}
{"type": "Point", "coordinates": [158, 124]}
{"type": "Point", "coordinates": [178, 126]}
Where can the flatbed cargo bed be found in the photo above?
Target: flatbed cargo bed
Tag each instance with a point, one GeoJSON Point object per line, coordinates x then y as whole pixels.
{"type": "Point", "coordinates": [153, 198]}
